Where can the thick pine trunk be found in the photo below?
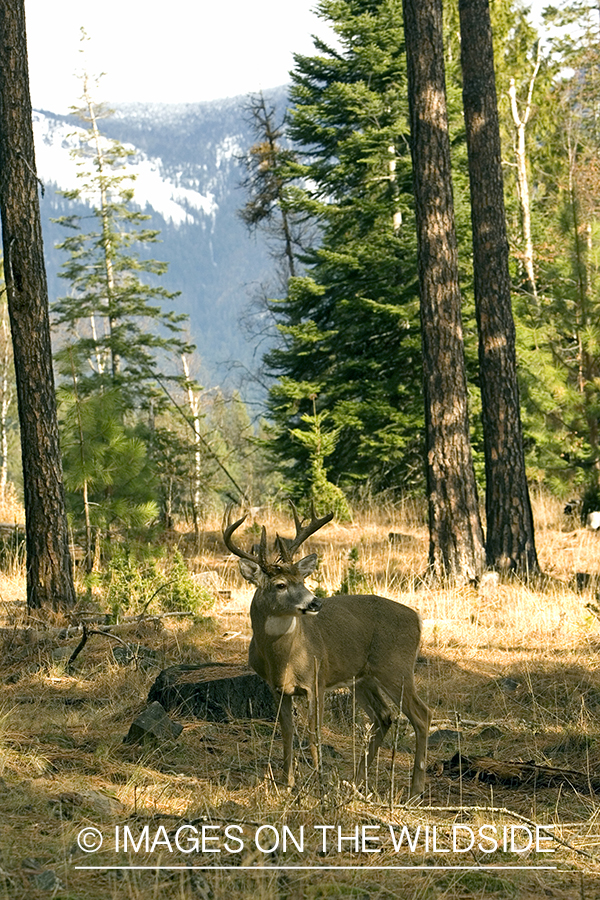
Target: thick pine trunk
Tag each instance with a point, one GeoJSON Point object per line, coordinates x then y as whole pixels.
{"type": "Point", "coordinates": [510, 537]}
{"type": "Point", "coordinates": [49, 569]}
{"type": "Point", "coordinates": [456, 539]}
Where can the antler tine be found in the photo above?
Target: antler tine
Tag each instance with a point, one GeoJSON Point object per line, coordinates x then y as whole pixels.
{"type": "Point", "coordinates": [262, 550]}
{"type": "Point", "coordinates": [237, 551]}
{"type": "Point", "coordinates": [304, 531]}
{"type": "Point", "coordinates": [282, 549]}
{"type": "Point", "coordinates": [297, 520]}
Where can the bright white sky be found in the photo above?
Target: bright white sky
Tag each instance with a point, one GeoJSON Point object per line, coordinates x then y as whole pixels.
{"type": "Point", "coordinates": [173, 52]}
{"type": "Point", "coordinates": [179, 51]}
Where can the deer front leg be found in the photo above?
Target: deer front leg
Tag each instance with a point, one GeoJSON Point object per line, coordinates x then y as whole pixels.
{"type": "Point", "coordinates": [315, 720]}
{"type": "Point", "coordinates": [287, 733]}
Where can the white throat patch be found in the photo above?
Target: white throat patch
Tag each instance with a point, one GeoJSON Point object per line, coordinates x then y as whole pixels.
{"type": "Point", "coordinates": [278, 625]}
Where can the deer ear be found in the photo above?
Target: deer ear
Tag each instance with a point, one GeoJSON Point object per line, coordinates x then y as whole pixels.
{"type": "Point", "coordinates": [307, 564]}
{"type": "Point", "coordinates": [250, 570]}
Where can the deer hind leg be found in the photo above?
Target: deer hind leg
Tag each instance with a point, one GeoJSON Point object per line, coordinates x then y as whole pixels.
{"type": "Point", "coordinates": [419, 716]}
{"type": "Point", "coordinates": [374, 703]}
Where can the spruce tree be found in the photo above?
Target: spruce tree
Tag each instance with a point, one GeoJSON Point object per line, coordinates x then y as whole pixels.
{"type": "Point", "coordinates": [349, 330]}
{"type": "Point", "coordinates": [115, 332]}
{"type": "Point", "coordinates": [320, 443]}
{"type": "Point", "coordinates": [574, 305]}
{"type": "Point", "coordinates": [115, 325]}
{"type": "Point", "coordinates": [559, 332]}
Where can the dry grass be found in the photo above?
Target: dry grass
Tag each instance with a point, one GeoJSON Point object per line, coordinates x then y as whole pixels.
{"type": "Point", "coordinates": [513, 670]}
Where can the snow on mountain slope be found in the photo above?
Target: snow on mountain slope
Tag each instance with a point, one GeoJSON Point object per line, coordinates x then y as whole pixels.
{"type": "Point", "coordinates": [55, 140]}
{"type": "Point", "coordinates": [187, 165]}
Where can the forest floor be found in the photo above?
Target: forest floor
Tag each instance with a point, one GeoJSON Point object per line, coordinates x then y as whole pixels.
{"type": "Point", "coordinates": [510, 671]}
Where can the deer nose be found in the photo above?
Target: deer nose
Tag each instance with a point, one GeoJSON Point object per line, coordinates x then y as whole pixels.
{"type": "Point", "coordinates": [314, 606]}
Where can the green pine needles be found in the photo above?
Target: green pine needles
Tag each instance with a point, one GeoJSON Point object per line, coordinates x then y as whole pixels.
{"type": "Point", "coordinates": [114, 326]}
{"type": "Point", "coordinates": [349, 323]}
{"type": "Point", "coordinates": [116, 336]}
{"type": "Point", "coordinates": [320, 444]}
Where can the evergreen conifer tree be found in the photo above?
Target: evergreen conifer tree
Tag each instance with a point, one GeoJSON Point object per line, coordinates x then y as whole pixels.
{"type": "Point", "coordinates": [116, 329]}
{"type": "Point", "coordinates": [557, 335]}
{"type": "Point", "coordinates": [510, 536]}
{"type": "Point", "coordinates": [320, 443]}
{"type": "Point", "coordinates": [49, 567]}
{"type": "Point", "coordinates": [573, 309]}
{"type": "Point", "coordinates": [349, 323]}
{"type": "Point", "coordinates": [116, 337]}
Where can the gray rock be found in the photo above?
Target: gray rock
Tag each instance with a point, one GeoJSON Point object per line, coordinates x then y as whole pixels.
{"type": "Point", "coordinates": [490, 733]}
{"type": "Point", "coordinates": [43, 879]}
{"type": "Point", "coordinates": [103, 806]}
{"type": "Point", "coordinates": [153, 725]}
{"type": "Point", "coordinates": [124, 656]}
{"type": "Point", "coordinates": [47, 881]}
{"type": "Point", "coordinates": [444, 736]}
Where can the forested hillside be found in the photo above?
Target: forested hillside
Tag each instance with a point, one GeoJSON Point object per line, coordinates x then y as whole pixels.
{"type": "Point", "coordinates": [187, 165]}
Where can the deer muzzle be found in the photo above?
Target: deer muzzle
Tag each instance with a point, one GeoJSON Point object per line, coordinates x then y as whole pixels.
{"type": "Point", "coordinates": [313, 607]}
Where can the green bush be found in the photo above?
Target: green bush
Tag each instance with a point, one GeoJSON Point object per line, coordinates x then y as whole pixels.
{"type": "Point", "coordinates": [354, 580]}
{"type": "Point", "coordinates": [181, 592]}
{"type": "Point", "coordinates": [135, 582]}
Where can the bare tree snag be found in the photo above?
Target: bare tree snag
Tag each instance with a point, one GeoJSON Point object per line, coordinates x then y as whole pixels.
{"type": "Point", "coordinates": [521, 121]}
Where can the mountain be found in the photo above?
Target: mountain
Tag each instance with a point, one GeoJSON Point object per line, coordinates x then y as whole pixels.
{"type": "Point", "coordinates": [188, 171]}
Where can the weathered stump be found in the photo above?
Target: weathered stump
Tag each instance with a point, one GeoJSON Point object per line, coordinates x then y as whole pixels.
{"type": "Point", "coordinates": [216, 692]}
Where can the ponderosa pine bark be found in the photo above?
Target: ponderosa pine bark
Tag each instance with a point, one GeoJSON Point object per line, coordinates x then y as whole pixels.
{"type": "Point", "coordinates": [510, 543]}
{"type": "Point", "coordinates": [49, 568]}
{"type": "Point", "coordinates": [456, 548]}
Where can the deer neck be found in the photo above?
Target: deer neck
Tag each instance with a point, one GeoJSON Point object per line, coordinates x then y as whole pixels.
{"type": "Point", "coordinates": [274, 640]}
{"type": "Point", "coordinates": [278, 626]}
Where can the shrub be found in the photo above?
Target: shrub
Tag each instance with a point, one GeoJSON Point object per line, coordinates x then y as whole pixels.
{"type": "Point", "coordinates": [135, 584]}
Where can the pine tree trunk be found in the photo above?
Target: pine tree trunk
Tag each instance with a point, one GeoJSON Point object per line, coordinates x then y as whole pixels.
{"type": "Point", "coordinates": [49, 569]}
{"type": "Point", "coordinates": [5, 365]}
{"type": "Point", "coordinates": [456, 548]}
{"type": "Point", "coordinates": [510, 537]}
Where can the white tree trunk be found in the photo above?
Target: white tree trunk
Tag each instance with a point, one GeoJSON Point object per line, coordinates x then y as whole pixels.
{"type": "Point", "coordinates": [194, 405]}
{"type": "Point", "coordinates": [520, 122]}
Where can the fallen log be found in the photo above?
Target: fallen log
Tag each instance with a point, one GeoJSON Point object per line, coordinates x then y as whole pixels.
{"type": "Point", "coordinates": [518, 774]}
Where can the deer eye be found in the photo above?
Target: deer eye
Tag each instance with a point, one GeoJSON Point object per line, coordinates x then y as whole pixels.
{"type": "Point", "coordinates": [280, 585]}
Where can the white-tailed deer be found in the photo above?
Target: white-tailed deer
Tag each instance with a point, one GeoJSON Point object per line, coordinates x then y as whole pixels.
{"type": "Point", "coordinates": [303, 646]}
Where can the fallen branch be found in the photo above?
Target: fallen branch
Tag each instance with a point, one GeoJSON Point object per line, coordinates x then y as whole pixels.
{"type": "Point", "coordinates": [86, 633]}
{"type": "Point", "coordinates": [517, 774]}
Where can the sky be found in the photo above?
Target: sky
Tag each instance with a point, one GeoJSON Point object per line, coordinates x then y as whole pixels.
{"type": "Point", "coordinates": [182, 51]}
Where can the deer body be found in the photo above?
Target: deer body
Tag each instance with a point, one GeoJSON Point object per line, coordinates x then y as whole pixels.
{"type": "Point", "coordinates": [303, 646]}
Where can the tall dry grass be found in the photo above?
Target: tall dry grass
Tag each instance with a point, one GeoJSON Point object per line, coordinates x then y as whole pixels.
{"type": "Point", "coordinates": [509, 670]}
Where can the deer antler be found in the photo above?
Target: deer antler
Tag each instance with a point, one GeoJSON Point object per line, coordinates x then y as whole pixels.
{"type": "Point", "coordinates": [261, 559]}
{"type": "Point", "coordinates": [287, 550]}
